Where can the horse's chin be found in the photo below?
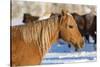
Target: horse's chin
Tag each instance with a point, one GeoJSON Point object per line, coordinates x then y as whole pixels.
{"type": "Point", "coordinates": [76, 45]}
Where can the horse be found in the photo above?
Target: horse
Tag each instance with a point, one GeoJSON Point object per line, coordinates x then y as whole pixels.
{"type": "Point", "coordinates": [86, 23]}
{"type": "Point", "coordinates": [30, 42]}
{"type": "Point", "coordinates": [80, 23]}
{"type": "Point", "coordinates": [91, 26]}
{"type": "Point", "coordinates": [28, 18]}
{"type": "Point", "coordinates": [52, 14]}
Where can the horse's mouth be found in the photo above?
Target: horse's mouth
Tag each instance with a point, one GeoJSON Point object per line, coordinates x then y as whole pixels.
{"type": "Point", "coordinates": [78, 45]}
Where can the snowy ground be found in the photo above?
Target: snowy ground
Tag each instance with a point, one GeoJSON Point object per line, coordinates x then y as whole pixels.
{"type": "Point", "coordinates": [60, 54]}
{"type": "Point", "coordinates": [61, 58]}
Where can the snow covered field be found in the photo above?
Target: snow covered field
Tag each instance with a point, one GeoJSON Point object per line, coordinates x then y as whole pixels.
{"type": "Point", "coordinates": [60, 54]}
{"type": "Point", "coordinates": [61, 58]}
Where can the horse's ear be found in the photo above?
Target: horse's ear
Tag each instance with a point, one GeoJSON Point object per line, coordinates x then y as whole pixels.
{"type": "Point", "coordinates": [64, 12]}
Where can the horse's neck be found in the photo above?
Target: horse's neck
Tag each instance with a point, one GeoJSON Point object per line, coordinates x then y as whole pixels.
{"type": "Point", "coordinates": [49, 36]}
{"type": "Point", "coordinates": [43, 35]}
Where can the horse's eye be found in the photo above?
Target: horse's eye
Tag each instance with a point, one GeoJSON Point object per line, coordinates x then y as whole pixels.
{"type": "Point", "coordinates": [70, 26]}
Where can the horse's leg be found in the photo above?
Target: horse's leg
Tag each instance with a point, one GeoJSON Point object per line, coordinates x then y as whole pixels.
{"type": "Point", "coordinates": [87, 37]}
{"type": "Point", "coordinates": [69, 45]}
{"type": "Point", "coordinates": [94, 38]}
{"type": "Point", "coordinates": [95, 44]}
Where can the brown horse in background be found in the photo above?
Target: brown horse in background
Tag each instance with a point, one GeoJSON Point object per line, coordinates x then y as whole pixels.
{"type": "Point", "coordinates": [86, 24]}
{"type": "Point", "coordinates": [91, 26]}
{"type": "Point", "coordinates": [30, 42]}
{"type": "Point", "coordinates": [92, 30]}
{"type": "Point", "coordinates": [28, 18]}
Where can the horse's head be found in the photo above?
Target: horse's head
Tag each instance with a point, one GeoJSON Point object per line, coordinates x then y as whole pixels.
{"type": "Point", "coordinates": [69, 31]}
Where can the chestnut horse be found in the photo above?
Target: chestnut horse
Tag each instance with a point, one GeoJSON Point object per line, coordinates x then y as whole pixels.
{"type": "Point", "coordinates": [86, 24]}
{"type": "Point", "coordinates": [27, 17]}
{"type": "Point", "coordinates": [30, 42]}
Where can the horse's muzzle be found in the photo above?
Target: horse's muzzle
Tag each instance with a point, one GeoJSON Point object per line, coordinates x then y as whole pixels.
{"type": "Point", "coordinates": [79, 45]}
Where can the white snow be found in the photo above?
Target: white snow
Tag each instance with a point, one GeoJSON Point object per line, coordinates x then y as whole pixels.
{"type": "Point", "coordinates": [65, 61]}
{"type": "Point", "coordinates": [91, 39]}
{"type": "Point", "coordinates": [45, 17]}
{"type": "Point", "coordinates": [60, 57]}
{"type": "Point", "coordinates": [17, 21]}
{"type": "Point", "coordinates": [73, 54]}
